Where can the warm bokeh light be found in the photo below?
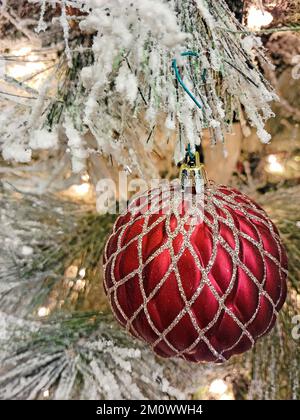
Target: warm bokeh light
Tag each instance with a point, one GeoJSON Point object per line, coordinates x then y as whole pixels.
{"type": "Point", "coordinates": [46, 393]}
{"type": "Point", "coordinates": [226, 397]}
{"type": "Point", "coordinates": [79, 285]}
{"type": "Point", "coordinates": [219, 390]}
{"type": "Point", "coordinates": [218, 386]}
{"type": "Point", "coordinates": [80, 190]}
{"type": "Point", "coordinates": [257, 18]}
{"type": "Point", "coordinates": [85, 177]}
{"type": "Point", "coordinates": [274, 166]}
{"type": "Point", "coordinates": [27, 65]}
{"type": "Point", "coordinates": [43, 311]}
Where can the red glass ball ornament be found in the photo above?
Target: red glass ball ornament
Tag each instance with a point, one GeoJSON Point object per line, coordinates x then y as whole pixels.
{"type": "Point", "coordinates": [199, 291]}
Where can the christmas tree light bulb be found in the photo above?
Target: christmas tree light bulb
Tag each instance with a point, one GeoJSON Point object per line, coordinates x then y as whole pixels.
{"type": "Point", "coordinates": [218, 386]}
{"type": "Point", "coordinates": [43, 311]}
{"type": "Point", "coordinates": [30, 64]}
{"type": "Point", "coordinates": [46, 393]}
{"type": "Point", "coordinates": [274, 166]}
{"type": "Point", "coordinates": [85, 177]}
{"type": "Point", "coordinates": [81, 190]}
{"type": "Point", "coordinates": [257, 18]}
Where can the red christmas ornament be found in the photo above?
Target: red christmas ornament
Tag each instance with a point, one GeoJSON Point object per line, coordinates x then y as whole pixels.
{"type": "Point", "coordinates": [201, 292]}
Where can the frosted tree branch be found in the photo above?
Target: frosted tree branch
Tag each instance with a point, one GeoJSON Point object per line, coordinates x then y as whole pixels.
{"type": "Point", "coordinates": [120, 87]}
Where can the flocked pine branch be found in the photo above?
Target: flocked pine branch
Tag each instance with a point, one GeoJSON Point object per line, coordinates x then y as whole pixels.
{"type": "Point", "coordinates": [47, 242]}
{"type": "Point", "coordinates": [121, 97]}
{"type": "Point", "coordinates": [275, 361]}
{"type": "Point", "coordinates": [85, 357]}
{"type": "Point", "coordinates": [83, 343]}
{"type": "Point", "coordinates": [57, 337]}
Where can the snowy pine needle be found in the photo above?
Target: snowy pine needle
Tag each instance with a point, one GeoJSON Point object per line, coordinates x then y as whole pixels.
{"type": "Point", "coordinates": [74, 349]}
{"type": "Point", "coordinates": [120, 97]}
{"type": "Point", "coordinates": [86, 357]}
{"type": "Point", "coordinates": [44, 237]}
{"type": "Point", "coordinates": [72, 353]}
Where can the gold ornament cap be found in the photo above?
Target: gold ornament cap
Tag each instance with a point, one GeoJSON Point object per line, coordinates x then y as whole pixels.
{"type": "Point", "coordinates": [192, 172]}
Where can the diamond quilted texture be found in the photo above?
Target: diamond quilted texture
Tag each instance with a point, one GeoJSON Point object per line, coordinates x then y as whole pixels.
{"type": "Point", "coordinates": [200, 292]}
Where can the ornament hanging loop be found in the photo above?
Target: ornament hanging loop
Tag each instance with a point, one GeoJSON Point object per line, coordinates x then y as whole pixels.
{"type": "Point", "coordinates": [192, 172]}
{"type": "Point", "coordinates": [179, 79]}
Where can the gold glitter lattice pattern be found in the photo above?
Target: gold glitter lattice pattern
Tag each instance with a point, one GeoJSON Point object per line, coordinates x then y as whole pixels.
{"type": "Point", "coordinates": [204, 291]}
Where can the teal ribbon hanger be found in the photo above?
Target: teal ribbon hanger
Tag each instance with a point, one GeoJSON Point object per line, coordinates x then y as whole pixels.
{"type": "Point", "coordinates": [191, 164]}
{"type": "Point", "coordinates": [179, 78]}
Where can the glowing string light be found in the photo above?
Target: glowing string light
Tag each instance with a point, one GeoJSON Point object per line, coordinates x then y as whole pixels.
{"type": "Point", "coordinates": [257, 18]}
